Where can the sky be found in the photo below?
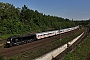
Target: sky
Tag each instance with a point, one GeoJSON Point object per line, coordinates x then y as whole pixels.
{"type": "Point", "coordinates": [71, 9]}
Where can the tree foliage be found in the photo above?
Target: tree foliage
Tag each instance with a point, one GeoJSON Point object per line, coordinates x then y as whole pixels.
{"type": "Point", "coordinates": [17, 20]}
{"type": "Point", "coordinates": [82, 22]}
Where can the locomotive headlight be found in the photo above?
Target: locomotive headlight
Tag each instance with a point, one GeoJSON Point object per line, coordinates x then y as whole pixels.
{"type": "Point", "coordinates": [8, 41]}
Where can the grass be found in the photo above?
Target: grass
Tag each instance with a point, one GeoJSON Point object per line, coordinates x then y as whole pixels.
{"type": "Point", "coordinates": [43, 49]}
{"type": "Point", "coordinates": [81, 51]}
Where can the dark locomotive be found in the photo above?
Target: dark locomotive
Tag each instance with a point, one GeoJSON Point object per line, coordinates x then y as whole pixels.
{"type": "Point", "coordinates": [14, 41]}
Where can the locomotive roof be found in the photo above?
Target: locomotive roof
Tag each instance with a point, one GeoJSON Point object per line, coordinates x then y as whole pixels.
{"type": "Point", "coordinates": [22, 36]}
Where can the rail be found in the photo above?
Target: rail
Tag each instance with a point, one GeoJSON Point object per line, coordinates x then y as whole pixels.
{"type": "Point", "coordinates": [61, 51]}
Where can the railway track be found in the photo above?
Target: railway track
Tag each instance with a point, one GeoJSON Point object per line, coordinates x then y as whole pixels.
{"type": "Point", "coordinates": [3, 41]}
{"type": "Point", "coordinates": [72, 47]}
{"type": "Point", "coordinates": [8, 52]}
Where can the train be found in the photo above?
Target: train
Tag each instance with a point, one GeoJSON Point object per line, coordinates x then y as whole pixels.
{"type": "Point", "coordinates": [13, 41]}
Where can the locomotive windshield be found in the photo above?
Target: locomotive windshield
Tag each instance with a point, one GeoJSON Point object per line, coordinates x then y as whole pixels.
{"type": "Point", "coordinates": [9, 39]}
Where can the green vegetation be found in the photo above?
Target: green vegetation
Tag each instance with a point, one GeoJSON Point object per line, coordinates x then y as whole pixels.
{"type": "Point", "coordinates": [19, 21]}
{"type": "Point", "coordinates": [81, 51]}
{"type": "Point", "coordinates": [1, 57]}
{"type": "Point", "coordinates": [82, 22]}
{"type": "Point", "coordinates": [43, 49]}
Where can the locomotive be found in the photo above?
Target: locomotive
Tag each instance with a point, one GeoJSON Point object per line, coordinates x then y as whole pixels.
{"type": "Point", "coordinates": [12, 41]}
